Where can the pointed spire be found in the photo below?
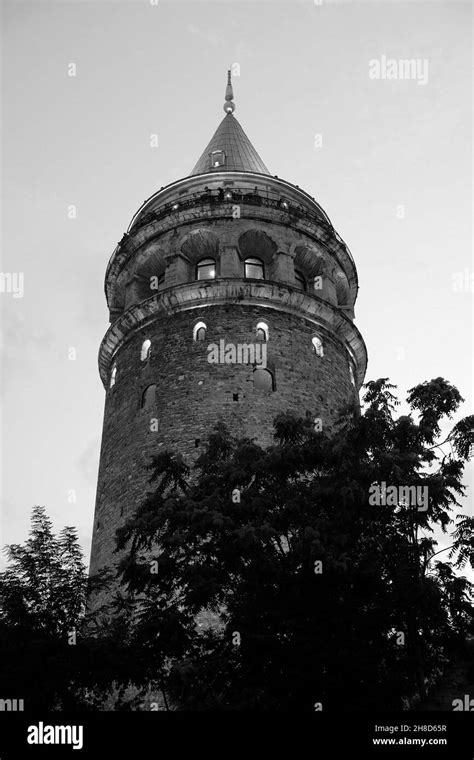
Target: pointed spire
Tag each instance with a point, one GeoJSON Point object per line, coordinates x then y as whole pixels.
{"type": "Point", "coordinates": [229, 105]}
{"type": "Point", "coordinates": [229, 149]}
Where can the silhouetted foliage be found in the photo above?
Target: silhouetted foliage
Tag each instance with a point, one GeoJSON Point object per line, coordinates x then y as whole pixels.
{"type": "Point", "coordinates": [262, 579]}
{"type": "Point", "coordinates": [53, 653]}
{"type": "Point", "coordinates": [295, 589]}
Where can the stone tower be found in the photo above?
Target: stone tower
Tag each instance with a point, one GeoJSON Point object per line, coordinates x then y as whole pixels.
{"type": "Point", "coordinates": [212, 267]}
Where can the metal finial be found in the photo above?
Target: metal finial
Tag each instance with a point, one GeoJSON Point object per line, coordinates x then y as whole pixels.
{"type": "Point", "coordinates": [229, 105]}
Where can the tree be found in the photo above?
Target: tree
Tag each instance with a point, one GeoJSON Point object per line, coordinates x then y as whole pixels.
{"type": "Point", "coordinates": [52, 656]}
{"type": "Point", "coordinates": [45, 585]}
{"type": "Point", "coordinates": [279, 583]}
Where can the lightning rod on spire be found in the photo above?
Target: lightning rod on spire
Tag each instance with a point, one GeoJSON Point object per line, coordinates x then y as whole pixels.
{"type": "Point", "coordinates": [229, 105]}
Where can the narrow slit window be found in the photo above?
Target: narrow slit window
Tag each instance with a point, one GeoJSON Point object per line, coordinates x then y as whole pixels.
{"type": "Point", "coordinates": [113, 376]}
{"type": "Point", "coordinates": [146, 349]}
{"type": "Point", "coordinates": [317, 346]}
{"type": "Point", "coordinates": [199, 331]}
{"type": "Point", "coordinates": [351, 374]}
{"type": "Point", "coordinates": [261, 332]}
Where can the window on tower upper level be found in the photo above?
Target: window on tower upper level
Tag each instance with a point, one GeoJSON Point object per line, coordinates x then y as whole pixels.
{"type": "Point", "coordinates": [199, 331]}
{"type": "Point", "coordinates": [206, 269]}
{"type": "Point", "coordinates": [317, 345]}
{"type": "Point", "coordinates": [261, 332]}
{"type": "Point", "coordinates": [254, 269]}
{"type": "Point", "coordinates": [146, 349]}
{"type": "Point", "coordinates": [300, 281]}
{"type": "Point", "coordinates": [217, 158]}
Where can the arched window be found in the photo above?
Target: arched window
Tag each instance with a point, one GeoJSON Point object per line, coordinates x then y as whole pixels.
{"type": "Point", "coordinates": [149, 397]}
{"type": "Point", "coordinates": [254, 269]}
{"type": "Point", "coordinates": [145, 352]}
{"type": "Point", "coordinates": [263, 380]}
{"type": "Point", "coordinates": [317, 346]}
{"type": "Point", "coordinates": [206, 269]}
{"type": "Point", "coordinates": [113, 376]}
{"type": "Point", "coordinates": [199, 331]}
{"type": "Point", "coordinates": [261, 332]}
{"type": "Point", "coordinates": [300, 281]}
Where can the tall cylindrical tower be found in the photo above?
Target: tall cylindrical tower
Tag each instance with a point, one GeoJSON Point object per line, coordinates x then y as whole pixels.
{"type": "Point", "coordinates": [231, 298]}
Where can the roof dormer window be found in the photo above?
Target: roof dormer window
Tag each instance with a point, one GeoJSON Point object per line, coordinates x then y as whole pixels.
{"type": "Point", "coordinates": [217, 158]}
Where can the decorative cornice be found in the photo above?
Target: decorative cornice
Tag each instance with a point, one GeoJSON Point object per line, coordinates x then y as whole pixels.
{"type": "Point", "coordinates": [266, 294]}
{"type": "Point", "coordinates": [193, 209]}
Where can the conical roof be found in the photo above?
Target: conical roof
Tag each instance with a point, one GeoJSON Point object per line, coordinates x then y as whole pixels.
{"type": "Point", "coordinates": [229, 149]}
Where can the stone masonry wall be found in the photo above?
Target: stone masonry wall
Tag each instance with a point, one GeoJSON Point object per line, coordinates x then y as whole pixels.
{"type": "Point", "coordinates": [192, 395]}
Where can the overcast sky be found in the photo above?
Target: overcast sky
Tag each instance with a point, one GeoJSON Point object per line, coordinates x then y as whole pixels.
{"type": "Point", "coordinates": [392, 169]}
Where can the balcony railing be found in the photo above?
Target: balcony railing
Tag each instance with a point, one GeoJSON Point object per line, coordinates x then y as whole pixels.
{"type": "Point", "coordinates": [241, 196]}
